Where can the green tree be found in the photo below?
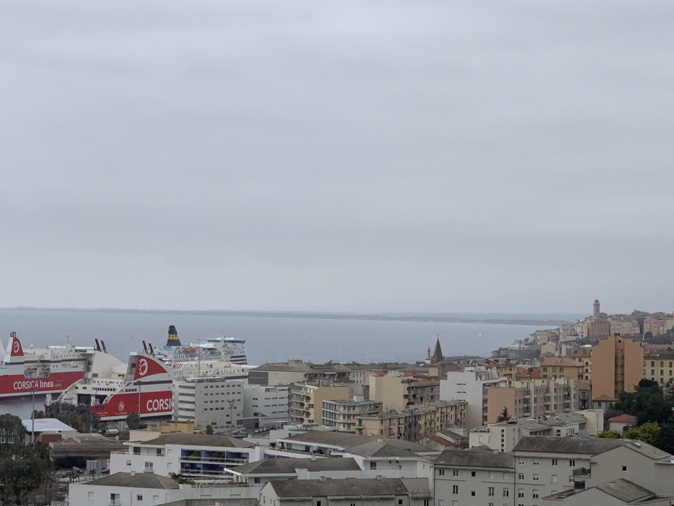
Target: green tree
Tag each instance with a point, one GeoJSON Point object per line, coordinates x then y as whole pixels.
{"type": "Point", "coordinates": [612, 434]}
{"type": "Point", "coordinates": [22, 470]}
{"type": "Point", "coordinates": [665, 438]}
{"type": "Point", "coordinates": [134, 421]}
{"type": "Point", "coordinates": [646, 432]}
{"type": "Point", "coordinates": [209, 430]}
{"type": "Point", "coordinates": [504, 416]}
{"type": "Point", "coordinates": [12, 430]}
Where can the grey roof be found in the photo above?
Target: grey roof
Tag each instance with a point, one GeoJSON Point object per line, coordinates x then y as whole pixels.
{"type": "Point", "coordinates": [585, 446]}
{"type": "Point", "coordinates": [578, 445]}
{"type": "Point", "coordinates": [136, 480]}
{"type": "Point", "coordinates": [197, 440]}
{"type": "Point", "coordinates": [625, 490]}
{"type": "Point", "coordinates": [288, 466]}
{"type": "Point", "coordinates": [478, 458]}
{"type": "Point", "coordinates": [345, 440]}
{"type": "Point", "coordinates": [351, 487]}
{"type": "Point", "coordinates": [379, 449]}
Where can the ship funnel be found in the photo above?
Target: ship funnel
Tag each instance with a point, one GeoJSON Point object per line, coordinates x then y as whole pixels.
{"type": "Point", "coordinates": [145, 347]}
{"type": "Point", "coordinates": [15, 349]}
{"type": "Point", "coordinates": [173, 339]}
{"type": "Point", "coordinates": [98, 345]}
{"type": "Point", "coordinates": [151, 349]}
{"type": "Point", "coordinates": [103, 346]}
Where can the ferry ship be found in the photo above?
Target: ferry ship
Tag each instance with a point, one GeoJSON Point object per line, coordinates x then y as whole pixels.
{"type": "Point", "coordinates": [216, 349]}
{"type": "Point", "coordinates": [112, 390]}
{"type": "Point", "coordinates": [48, 370]}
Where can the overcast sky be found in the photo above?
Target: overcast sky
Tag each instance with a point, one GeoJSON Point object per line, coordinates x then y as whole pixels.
{"type": "Point", "coordinates": [494, 156]}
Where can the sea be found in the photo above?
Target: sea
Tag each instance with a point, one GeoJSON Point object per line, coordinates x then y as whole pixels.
{"type": "Point", "coordinates": [268, 338]}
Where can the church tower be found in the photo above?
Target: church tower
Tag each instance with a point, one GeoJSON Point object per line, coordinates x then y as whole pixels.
{"type": "Point", "coordinates": [437, 353]}
{"type": "Point", "coordinates": [596, 311]}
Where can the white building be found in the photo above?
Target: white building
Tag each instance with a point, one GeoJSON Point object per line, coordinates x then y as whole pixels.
{"type": "Point", "coordinates": [475, 476]}
{"type": "Point", "coordinates": [377, 491]}
{"type": "Point", "coordinates": [503, 436]}
{"type": "Point", "coordinates": [469, 385]}
{"type": "Point", "coordinates": [214, 401]}
{"type": "Point", "coordinates": [145, 489]}
{"type": "Point", "coordinates": [268, 403]}
{"type": "Point", "coordinates": [191, 455]}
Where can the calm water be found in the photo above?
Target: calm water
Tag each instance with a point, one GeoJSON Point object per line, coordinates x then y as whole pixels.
{"type": "Point", "coordinates": [268, 339]}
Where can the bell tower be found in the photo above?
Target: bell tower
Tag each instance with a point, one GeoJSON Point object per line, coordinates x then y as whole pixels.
{"type": "Point", "coordinates": [595, 308]}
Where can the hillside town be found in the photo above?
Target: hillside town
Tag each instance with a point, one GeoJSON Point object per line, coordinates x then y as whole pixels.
{"type": "Point", "coordinates": [567, 416]}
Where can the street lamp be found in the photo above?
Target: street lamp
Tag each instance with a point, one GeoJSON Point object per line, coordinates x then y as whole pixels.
{"type": "Point", "coordinates": [34, 373]}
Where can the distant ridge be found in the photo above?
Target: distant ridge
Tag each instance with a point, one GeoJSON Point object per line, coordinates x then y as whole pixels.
{"type": "Point", "coordinates": [551, 320]}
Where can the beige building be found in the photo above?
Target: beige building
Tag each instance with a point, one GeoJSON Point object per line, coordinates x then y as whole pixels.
{"type": "Point", "coordinates": [344, 415]}
{"type": "Point", "coordinates": [397, 391]}
{"type": "Point", "coordinates": [305, 400]}
{"type": "Point", "coordinates": [417, 424]}
{"type": "Point", "coordinates": [535, 397]}
{"type": "Point", "coordinates": [659, 367]}
{"type": "Point", "coordinates": [583, 355]}
{"type": "Point", "coordinates": [561, 367]}
{"type": "Point", "coordinates": [617, 366]}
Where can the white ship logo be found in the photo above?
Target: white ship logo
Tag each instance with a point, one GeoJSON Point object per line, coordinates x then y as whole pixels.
{"type": "Point", "coordinates": [16, 346]}
{"type": "Point", "coordinates": [142, 367]}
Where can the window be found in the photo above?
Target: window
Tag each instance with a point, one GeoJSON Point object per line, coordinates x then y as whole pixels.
{"type": "Point", "coordinates": [554, 462]}
{"type": "Point", "coordinates": [136, 450]}
{"type": "Point", "coordinates": [455, 489]}
{"type": "Point", "coordinates": [520, 492]}
{"type": "Point", "coordinates": [535, 477]}
{"type": "Point", "coordinates": [472, 473]}
{"type": "Point", "coordinates": [139, 497]}
{"type": "Point", "coordinates": [536, 462]}
{"type": "Point", "coordinates": [520, 476]}
{"type": "Point", "coordinates": [257, 480]}
{"type": "Point", "coordinates": [553, 479]}
{"type": "Point", "coordinates": [441, 472]}
{"type": "Point", "coordinates": [624, 468]}
{"type": "Point", "coordinates": [491, 475]}
{"type": "Point", "coordinates": [491, 492]}
{"type": "Point", "coordinates": [455, 472]}
{"type": "Point", "coordinates": [506, 492]}
{"type": "Point", "coordinates": [572, 462]}
{"type": "Point", "coordinates": [472, 493]}
{"type": "Point", "coordinates": [534, 493]}
{"type": "Point", "coordinates": [400, 501]}
{"type": "Point", "coordinates": [373, 465]}
{"type": "Point", "coordinates": [128, 462]}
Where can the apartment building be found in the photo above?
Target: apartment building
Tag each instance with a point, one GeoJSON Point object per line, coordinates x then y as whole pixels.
{"type": "Point", "coordinates": [305, 400]}
{"type": "Point", "coordinates": [470, 385]}
{"type": "Point", "coordinates": [344, 414]}
{"type": "Point", "coordinates": [379, 491]}
{"type": "Point", "coordinates": [213, 401]}
{"type": "Point", "coordinates": [415, 424]}
{"type": "Point", "coordinates": [560, 471]}
{"type": "Point", "coordinates": [527, 398]}
{"type": "Point", "coordinates": [397, 390]}
{"type": "Point", "coordinates": [561, 367]}
{"type": "Point", "coordinates": [583, 356]}
{"type": "Point", "coordinates": [269, 404]}
{"type": "Point", "coordinates": [659, 367]}
{"type": "Point", "coordinates": [617, 366]}
{"type": "Point", "coordinates": [504, 436]}
{"type": "Point", "coordinates": [191, 455]}
{"type": "Point", "coordinates": [475, 476]}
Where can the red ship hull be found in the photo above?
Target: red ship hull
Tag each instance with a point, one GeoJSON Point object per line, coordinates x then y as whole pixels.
{"type": "Point", "coordinates": [152, 404]}
{"type": "Point", "coordinates": [14, 385]}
